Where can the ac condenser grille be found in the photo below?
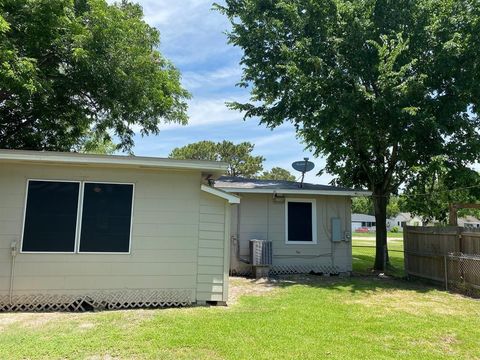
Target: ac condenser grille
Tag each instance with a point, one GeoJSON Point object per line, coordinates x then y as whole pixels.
{"type": "Point", "coordinates": [260, 252]}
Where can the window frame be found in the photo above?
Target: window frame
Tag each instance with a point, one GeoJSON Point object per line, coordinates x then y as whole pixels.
{"type": "Point", "coordinates": [25, 216]}
{"type": "Point", "coordinates": [314, 220]}
{"type": "Point", "coordinates": [78, 223]}
{"type": "Point", "coordinates": [77, 247]}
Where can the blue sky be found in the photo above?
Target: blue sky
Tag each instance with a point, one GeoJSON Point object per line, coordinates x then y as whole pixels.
{"type": "Point", "coordinates": [192, 36]}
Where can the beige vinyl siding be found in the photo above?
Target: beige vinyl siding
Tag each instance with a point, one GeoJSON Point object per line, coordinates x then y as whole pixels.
{"type": "Point", "coordinates": [212, 260]}
{"type": "Point", "coordinates": [164, 244]}
{"type": "Point", "coordinates": [263, 218]}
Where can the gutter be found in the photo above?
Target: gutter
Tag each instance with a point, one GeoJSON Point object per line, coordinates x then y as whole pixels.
{"type": "Point", "coordinates": [20, 156]}
{"type": "Point", "coordinates": [297, 192]}
{"type": "Point", "coordinates": [232, 199]}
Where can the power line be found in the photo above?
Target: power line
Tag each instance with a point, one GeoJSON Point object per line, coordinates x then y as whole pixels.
{"type": "Point", "coordinates": [442, 191]}
{"type": "Point", "coordinates": [433, 192]}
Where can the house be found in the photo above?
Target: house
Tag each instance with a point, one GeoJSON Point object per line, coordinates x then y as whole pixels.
{"type": "Point", "coordinates": [89, 231]}
{"type": "Point", "coordinates": [364, 222]}
{"type": "Point", "coordinates": [403, 219]}
{"type": "Point", "coordinates": [308, 226]}
{"type": "Point", "coordinates": [469, 221]}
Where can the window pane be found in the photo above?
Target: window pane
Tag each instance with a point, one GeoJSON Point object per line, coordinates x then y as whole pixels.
{"type": "Point", "coordinates": [299, 221]}
{"type": "Point", "coordinates": [106, 218]}
{"type": "Point", "coordinates": [51, 216]}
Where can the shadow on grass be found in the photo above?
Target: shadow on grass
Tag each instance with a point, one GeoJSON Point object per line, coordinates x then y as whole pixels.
{"type": "Point", "coordinates": [356, 283]}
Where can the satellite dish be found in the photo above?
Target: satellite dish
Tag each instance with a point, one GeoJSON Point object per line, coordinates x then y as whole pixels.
{"type": "Point", "coordinates": [304, 167]}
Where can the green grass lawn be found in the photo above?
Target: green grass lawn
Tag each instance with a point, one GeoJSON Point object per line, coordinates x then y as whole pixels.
{"type": "Point", "coordinates": [390, 235]}
{"type": "Point", "coordinates": [363, 252]}
{"type": "Point", "coordinates": [302, 318]}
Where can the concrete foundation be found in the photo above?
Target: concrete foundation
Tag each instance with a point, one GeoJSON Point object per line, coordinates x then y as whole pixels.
{"type": "Point", "coordinates": [261, 271]}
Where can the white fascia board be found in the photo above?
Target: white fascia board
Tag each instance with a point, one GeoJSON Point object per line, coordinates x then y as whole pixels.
{"type": "Point", "coordinates": [110, 160]}
{"type": "Point", "coordinates": [232, 199]}
{"type": "Point", "coordinates": [298, 192]}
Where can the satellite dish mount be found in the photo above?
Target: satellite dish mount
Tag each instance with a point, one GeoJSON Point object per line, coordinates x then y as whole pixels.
{"type": "Point", "coordinates": [304, 167]}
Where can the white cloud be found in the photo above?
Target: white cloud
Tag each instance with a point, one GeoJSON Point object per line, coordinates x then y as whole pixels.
{"type": "Point", "coordinates": [266, 142]}
{"type": "Point", "coordinates": [192, 37]}
{"type": "Point", "coordinates": [205, 112]}
{"type": "Point", "coordinates": [209, 112]}
{"type": "Point", "coordinates": [218, 78]}
{"type": "Point", "coordinates": [191, 31]}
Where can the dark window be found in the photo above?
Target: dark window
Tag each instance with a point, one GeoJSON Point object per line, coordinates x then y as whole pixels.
{"type": "Point", "coordinates": [50, 216]}
{"type": "Point", "coordinates": [299, 221]}
{"type": "Point", "coordinates": [106, 218]}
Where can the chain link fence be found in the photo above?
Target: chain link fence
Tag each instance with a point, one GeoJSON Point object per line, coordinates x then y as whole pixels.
{"type": "Point", "coordinates": [462, 273]}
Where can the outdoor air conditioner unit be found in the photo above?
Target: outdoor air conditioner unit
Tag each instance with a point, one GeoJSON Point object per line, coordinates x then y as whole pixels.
{"type": "Point", "coordinates": [260, 252]}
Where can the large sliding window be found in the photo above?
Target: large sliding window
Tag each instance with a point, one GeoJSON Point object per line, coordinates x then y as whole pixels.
{"type": "Point", "coordinates": [106, 217]}
{"type": "Point", "coordinates": [51, 216]}
{"type": "Point", "coordinates": [300, 221]}
{"type": "Point", "coordinates": [68, 216]}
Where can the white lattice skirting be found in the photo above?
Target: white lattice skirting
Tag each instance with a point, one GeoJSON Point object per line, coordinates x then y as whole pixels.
{"type": "Point", "coordinates": [290, 269]}
{"type": "Point", "coordinates": [303, 269]}
{"type": "Point", "coordinates": [99, 300]}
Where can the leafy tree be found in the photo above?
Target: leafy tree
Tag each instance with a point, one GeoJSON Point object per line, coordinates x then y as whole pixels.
{"type": "Point", "coordinates": [438, 184]}
{"type": "Point", "coordinates": [378, 87]}
{"type": "Point", "coordinates": [364, 205]}
{"type": "Point", "coordinates": [72, 67]}
{"type": "Point", "coordinates": [277, 173]}
{"type": "Point", "coordinates": [395, 206]}
{"type": "Point", "coordinates": [239, 157]}
{"type": "Point", "coordinates": [94, 144]}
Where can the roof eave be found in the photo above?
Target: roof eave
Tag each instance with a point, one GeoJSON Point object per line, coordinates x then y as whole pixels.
{"type": "Point", "coordinates": [352, 193]}
{"type": "Point", "coordinates": [232, 199]}
{"type": "Point", "coordinates": [16, 156]}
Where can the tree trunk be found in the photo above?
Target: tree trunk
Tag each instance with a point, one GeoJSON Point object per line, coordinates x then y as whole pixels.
{"type": "Point", "coordinates": [380, 201]}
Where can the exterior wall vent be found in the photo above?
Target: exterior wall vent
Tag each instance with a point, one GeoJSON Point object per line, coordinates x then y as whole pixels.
{"type": "Point", "coordinates": [260, 252]}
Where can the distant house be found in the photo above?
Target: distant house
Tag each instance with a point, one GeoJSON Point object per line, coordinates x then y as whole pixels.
{"type": "Point", "coordinates": [469, 222]}
{"type": "Point", "coordinates": [403, 219]}
{"type": "Point", "coordinates": [363, 221]}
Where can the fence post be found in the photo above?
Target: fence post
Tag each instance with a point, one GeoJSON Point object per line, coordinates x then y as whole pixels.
{"type": "Point", "coordinates": [405, 246]}
{"type": "Point", "coordinates": [446, 271]}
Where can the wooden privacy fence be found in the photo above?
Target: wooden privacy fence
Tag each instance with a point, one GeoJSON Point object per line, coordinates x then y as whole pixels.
{"type": "Point", "coordinates": [447, 254]}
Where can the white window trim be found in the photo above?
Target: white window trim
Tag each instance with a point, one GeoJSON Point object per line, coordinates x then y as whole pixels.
{"type": "Point", "coordinates": [131, 220]}
{"type": "Point", "coordinates": [314, 221]}
{"type": "Point", "coordinates": [78, 223]}
{"type": "Point", "coordinates": [25, 216]}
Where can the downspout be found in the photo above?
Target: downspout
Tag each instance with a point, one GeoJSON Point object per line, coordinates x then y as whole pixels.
{"type": "Point", "coordinates": [239, 258]}
{"type": "Point", "coordinates": [330, 233]}
{"type": "Point", "coordinates": [238, 231]}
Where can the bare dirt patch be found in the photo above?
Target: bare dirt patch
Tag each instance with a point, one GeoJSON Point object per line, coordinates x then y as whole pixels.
{"type": "Point", "coordinates": [240, 286]}
{"type": "Point", "coordinates": [85, 321]}
{"type": "Point", "coordinates": [34, 320]}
